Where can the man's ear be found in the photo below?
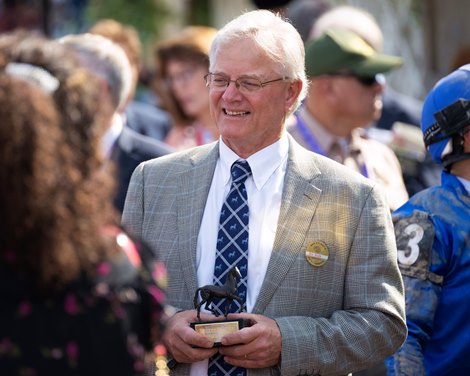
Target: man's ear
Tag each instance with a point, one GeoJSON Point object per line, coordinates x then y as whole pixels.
{"type": "Point", "coordinates": [293, 93]}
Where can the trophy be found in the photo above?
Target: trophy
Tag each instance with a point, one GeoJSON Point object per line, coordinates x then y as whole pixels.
{"type": "Point", "coordinates": [215, 330]}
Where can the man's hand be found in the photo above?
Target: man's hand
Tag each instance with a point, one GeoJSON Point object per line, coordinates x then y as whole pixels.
{"type": "Point", "coordinates": [180, 339]}
{"type": "Point", "coordinates": [257, 346]}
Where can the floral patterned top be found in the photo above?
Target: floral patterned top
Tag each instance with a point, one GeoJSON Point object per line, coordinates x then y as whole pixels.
{"type": "Point", "coordinates": [102, 327]}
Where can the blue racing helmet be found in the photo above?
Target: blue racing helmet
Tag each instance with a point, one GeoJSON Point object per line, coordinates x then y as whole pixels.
{"type": "Point", "coordinates": [445, 115]}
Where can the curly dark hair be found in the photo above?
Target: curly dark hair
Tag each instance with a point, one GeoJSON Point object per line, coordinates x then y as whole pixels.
{"type": "Point", "coordinates": [78, 96]}
{"type": "Point", "coordinates": [55, 188]}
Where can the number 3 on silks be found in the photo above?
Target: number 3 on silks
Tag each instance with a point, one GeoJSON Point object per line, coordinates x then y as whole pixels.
{"type": "Point", "coordinates": [414, 232]}
{"type": "Point", "coordinates": [415, 235]}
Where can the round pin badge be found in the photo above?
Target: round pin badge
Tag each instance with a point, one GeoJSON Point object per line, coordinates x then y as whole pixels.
{"type": "Point", "coordinates": [317, 253]}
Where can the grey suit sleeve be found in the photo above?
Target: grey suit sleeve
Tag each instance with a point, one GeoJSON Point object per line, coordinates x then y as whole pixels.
{"type": "Point", "coordinates": [370, 325]}
{"type": "Point", "coordinates": [133, 213]}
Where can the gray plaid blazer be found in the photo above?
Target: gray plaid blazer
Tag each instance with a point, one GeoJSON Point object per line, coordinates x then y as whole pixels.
{"type": "Point", "coordinates": [336, 318]}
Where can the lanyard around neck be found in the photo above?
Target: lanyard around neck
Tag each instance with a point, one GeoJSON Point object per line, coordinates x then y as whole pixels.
{"type": "Point", "coordinates": [308, 136]}
{"type": "Point", "coordinates": [315, 146]}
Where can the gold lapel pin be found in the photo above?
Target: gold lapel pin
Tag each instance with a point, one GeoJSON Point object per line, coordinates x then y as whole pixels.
{"type": "Point", "coordinates": [317, 253]}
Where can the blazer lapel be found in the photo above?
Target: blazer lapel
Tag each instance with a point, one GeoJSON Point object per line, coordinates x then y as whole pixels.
{"type": "Point", "coordinates": [194, 185]}
{"type": "Point", "coordinates": [299, 200]}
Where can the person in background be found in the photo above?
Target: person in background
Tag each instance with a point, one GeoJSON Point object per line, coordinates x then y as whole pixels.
{"type": "Point", "coordinates": [313, 240]}
{"type": "Point", "coordinates": [79, 296]}
{"type": "Point", "coordinates": [125, 147]}
{"type": "Point", "coordinates": [108, 62]}
{"type": "Point", "coordinates": [397, 107]}
{"type": "Point", "coordinates": [181, 62]}
{"type": "Point", "coordinates": [304, 13]}
{"type": "Point", "coordinates": [142, 117]}
{"type": "Point", "coordinates": [433, 237]}
{"type": "Point", "coordinates": [398, 124]}
{"type": "Point", "coordinates": [344, 95]}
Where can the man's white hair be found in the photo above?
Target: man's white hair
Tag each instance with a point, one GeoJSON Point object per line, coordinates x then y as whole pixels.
{"type": "Point", "coordinates": [274, 36]}
{"type": "Point", "coordinates": [105, 59]}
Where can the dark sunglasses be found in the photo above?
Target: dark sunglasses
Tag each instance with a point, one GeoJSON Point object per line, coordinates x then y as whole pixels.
{"type": "Point", "coordinates": [364, 80]}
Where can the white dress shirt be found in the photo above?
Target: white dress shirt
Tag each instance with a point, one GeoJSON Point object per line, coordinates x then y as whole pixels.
{"type": "Point", "coordinates": [112, 134]}
{"type": "Point", "coordinates": [264, 189]}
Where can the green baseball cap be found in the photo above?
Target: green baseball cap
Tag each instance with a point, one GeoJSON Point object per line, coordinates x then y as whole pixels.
{"type": "Point", "coordinates": [342, 50]}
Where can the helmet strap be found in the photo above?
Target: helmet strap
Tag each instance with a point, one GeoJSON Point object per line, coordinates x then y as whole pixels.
{"type": "Point", "coordinates": [449, 160]}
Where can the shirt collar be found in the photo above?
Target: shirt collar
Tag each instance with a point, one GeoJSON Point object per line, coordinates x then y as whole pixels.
{"type": "Point", "coordinates": [112, 134]}
{"type": "Point", "coordinates": [321, 134]}
{"type": "Point", "coordinates": [263, 163]}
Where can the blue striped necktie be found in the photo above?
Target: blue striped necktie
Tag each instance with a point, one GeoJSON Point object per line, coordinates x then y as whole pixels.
{"type": "Point", "coordinates": [232, 250]}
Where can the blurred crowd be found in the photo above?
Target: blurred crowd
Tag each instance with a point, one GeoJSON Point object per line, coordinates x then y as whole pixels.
{"type": "Point", "coordinates": [83, 296]}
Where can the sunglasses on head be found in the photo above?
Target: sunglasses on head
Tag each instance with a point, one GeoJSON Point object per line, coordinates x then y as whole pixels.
{"type": "Point", "coordinates": [364, 80]}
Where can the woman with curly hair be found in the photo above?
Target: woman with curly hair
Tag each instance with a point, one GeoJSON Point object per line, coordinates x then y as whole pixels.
{"type": "Point", "coordinates": [79, 297]}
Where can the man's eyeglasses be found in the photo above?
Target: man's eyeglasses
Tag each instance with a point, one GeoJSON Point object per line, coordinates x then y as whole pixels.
{"type": "Point", "coordinates": [219, 82]}
{"type": "Point", "coordinates": [364, 80]}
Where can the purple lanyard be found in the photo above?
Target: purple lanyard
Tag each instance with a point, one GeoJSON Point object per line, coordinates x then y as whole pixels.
{"type": "Point", "coordinates": [315, 146]}
{"type": "Point", "coordinates": [311, 141]}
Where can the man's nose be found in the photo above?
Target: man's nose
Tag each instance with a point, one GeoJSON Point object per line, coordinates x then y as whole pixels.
{"type": "Point", "coordinates": [232, 90]}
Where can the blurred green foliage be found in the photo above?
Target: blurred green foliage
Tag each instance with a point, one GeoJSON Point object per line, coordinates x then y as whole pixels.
{"type": "Point", "coordinates": [198, 12]}
{"type": "Point", "coordinates": [147, 16]}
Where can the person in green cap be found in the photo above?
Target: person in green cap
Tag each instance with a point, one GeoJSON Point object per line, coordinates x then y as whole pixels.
{"type": "Point", "coordinates": [344, 95]}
